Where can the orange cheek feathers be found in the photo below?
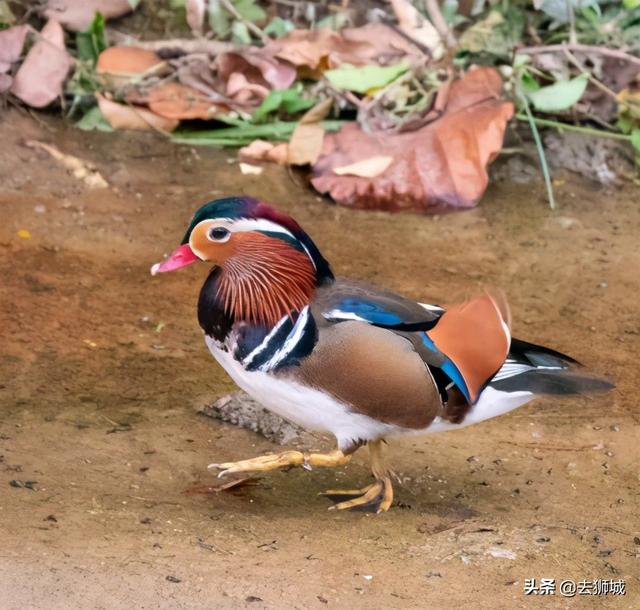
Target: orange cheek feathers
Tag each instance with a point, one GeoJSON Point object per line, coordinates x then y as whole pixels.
{"type": "Point", "coordinates": [214, 252]}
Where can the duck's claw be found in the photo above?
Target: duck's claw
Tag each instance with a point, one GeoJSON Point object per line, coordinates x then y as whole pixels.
{"type": "Point", "coordinates": [376, 497]}
{"type": "Point", "coordinates": [285, 459]}
{"type": "Point", "coordinates": [263, 463]}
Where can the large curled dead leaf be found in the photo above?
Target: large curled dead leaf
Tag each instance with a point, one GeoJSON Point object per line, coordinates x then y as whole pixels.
{"type": "Point", "coordinates": [317, 50]}
{"type": "Point", "coordinates": [77, 15]}
{"type": "Point", "coordinates": [441, 165]}
{"type": "Point", "coordinates": [120, 116]}
{"type": "Point", "coordinates": [39, 79]}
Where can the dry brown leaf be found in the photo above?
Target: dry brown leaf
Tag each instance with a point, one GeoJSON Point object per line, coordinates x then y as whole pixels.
{"type": "Point", "coordinates": [367, 168]}
{"type": "Point", "coordinates": [120, 116]}
{"type": "Point", "coordinates": [82, 170]}
{"type": "Point", "coordinates": [305, 144]}
{"type": "Point", "coordinates": [412, 23]}
{"type": "Point", "coordinates": [177, 101]}
{"type": "Point", "coordinates": [118, 65]}
{"type": "Point", "coordinates": [195, 71]}
{"type": "Point", "coordinates": [196, 10]}
{"type": "Point", "coordinates": [249, 74]}
{"type": "Point", "coordinates": [77, 15]}
{"type": "Point", "coordinates": [442, 164]}
{"type": "Point", "coordinates": [317, 50]}
{"type": "Point", "coordinates": [261, 150]}
{"type": "Point", "coordinates": [318, 113]}
{"type": "Point", "coordinates": [243, 91]}
{"type": "Point", "coordinates": [39, 79]}
{"type": "Point", "coordinates": [11, 43]}
{"type": "Point", "coordinates": [306, 47]}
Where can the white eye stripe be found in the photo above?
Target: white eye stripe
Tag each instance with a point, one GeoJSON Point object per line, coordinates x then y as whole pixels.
{"type": "Point", "coordinates": [243, 225]}
{"type": "Point", "coordinates": [259, 224]}
{"type": "Point", "coordinates": [248, 224]}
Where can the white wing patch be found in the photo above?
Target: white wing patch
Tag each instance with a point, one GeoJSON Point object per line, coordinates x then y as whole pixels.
{"type": "Point", "coordinates": [511, 368]}
{"type": "Point", "coordinates": [434, 308]}
{"type": "Point", "coordinates": [338, 314]}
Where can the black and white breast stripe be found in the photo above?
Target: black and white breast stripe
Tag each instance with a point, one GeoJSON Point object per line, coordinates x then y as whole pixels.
{"type": "Point", "coordinates": [284, 345]}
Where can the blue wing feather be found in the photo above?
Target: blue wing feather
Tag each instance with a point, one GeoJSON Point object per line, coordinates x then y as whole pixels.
{"type": "Point", "coordinates": [396, 314]}
{"type": "Point", "coordinates": [371, 312]}
{"type": "Point", "coordinates": [448, 367]}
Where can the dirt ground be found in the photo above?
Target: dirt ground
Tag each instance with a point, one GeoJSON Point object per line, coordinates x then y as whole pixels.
{"type": "Point", "coordinates": [103, 369]}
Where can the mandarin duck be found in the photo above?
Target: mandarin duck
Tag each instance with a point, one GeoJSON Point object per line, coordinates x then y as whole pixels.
{"type": "Point", "coordinates": [344, 357]}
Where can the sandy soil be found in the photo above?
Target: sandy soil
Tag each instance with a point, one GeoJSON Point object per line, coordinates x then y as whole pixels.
{"type": "Point", "coordinates": [103, 369]}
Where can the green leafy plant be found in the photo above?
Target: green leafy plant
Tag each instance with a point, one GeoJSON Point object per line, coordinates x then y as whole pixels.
{"type": "Point", "coordinates": [364, 78]}
{"type": "Point", "coordinates": [224, 24]}
{"type": "Point", "coordinates": [92, 120]}
{"type": "Point", "coordinates": [91, 42]}
{"type": "Point", "coordinates": [244, 132]}
{"type": "Point", "coordinates": [289, 101]}
{"type": "Point", "coordinates": [85, 82]}
{"type": "Point", "coordinates": [559, 96]}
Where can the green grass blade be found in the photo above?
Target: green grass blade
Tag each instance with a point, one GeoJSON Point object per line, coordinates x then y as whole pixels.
{"type": "Point", "coordinates": [543, 159]}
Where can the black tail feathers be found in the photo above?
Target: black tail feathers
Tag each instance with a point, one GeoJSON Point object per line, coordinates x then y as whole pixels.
{"type": "Point", "coordinates": [540, 370]}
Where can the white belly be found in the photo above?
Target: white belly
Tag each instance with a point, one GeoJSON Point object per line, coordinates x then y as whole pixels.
{"type": "Point", "coordinates": [309, 408]}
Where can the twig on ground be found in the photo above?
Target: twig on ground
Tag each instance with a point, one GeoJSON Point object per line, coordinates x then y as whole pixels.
{"type": "Point", "coordinates": [581, 48]}
{"type": "Point", "coordinates": [252, 27]}
{"type": "Point", "coordinates": [573, 36]}
{"type": "Point", "coordinates": [594, 81]}
{"type": "Point", "coordinates": [577, 128]}
{"type": "Point", "coordinates": [186, 45]}
{"type": "Point", "coordinates": [435, 14]}
{"type": "Point", "coordinates": [425, 49]}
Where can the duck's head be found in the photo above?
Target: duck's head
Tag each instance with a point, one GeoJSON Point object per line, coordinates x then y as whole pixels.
{"type": "Point", "coordinates": [261, 252]}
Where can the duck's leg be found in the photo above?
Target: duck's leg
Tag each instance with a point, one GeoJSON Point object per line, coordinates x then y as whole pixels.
{"type": "Point", "coordinates": [375, 497]}
{"type": "Point", "coordinates": [275, 461]}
